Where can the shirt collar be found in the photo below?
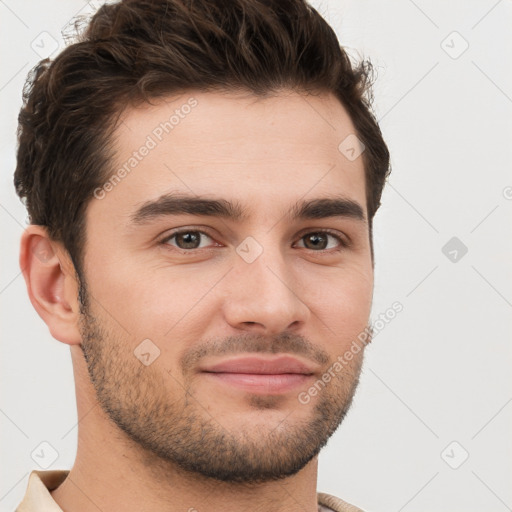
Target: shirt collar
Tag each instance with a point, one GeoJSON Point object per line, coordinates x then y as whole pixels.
{"type": "Point", "coordinates": [37, 496]}
{"type": "Point", "coordinates": [40, 483]}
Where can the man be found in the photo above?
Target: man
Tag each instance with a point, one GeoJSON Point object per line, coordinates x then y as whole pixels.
{"type": "Point", "coordinates": [201, 179]}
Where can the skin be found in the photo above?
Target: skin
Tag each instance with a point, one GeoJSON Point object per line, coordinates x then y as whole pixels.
{"type": "Point", "coordinates": [139, 426]}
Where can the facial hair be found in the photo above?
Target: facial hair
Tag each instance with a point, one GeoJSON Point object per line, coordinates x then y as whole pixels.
{"type": "Point", "coordinates": [162, 416]}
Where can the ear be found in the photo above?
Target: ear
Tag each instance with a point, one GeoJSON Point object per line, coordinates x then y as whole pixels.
{"type": "Point", "coordinates": [51, 283]}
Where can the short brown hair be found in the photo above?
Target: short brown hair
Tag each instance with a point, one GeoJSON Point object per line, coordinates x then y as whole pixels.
{"type": "Point", "coordinates": [137, 50]}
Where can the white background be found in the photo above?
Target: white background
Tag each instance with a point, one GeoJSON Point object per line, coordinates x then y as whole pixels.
{"type": "Point", "coordinates": [440, 371]}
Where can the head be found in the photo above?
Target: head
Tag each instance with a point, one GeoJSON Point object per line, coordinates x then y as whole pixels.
{"type": "Point", "coordinates": [245, 125]}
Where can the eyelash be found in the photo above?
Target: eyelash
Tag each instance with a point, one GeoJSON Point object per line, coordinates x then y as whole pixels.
{"type": "Point", "coordinates": [343, 244]}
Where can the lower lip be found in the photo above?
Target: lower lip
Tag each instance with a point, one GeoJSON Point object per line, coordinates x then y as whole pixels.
{"type": "Point", "coordinates": [262, 383]}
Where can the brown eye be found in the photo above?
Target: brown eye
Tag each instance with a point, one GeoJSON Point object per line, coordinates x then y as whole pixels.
{"type": "Point", "coordinates": [319, 241]}
{"type": "Point", "coordinates": [187, 239]}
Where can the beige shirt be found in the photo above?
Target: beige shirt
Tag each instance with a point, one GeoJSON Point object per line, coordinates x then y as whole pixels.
{"type": "Point", "coordinates": [38, 498]}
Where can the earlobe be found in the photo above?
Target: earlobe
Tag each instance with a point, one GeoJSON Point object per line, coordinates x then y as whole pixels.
{"type": "Point", "coordinates": [51, 283]}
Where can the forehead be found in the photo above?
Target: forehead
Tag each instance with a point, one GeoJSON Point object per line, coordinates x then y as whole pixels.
{"type": "Point", "coordinates": [261, 151]}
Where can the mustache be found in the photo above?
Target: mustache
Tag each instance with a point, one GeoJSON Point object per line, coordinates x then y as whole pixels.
{"type": "Point", "coordinates": [253, 343]}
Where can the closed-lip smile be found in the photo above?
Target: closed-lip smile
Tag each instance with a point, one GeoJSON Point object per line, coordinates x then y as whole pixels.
{"type": "Point", "coordinates": [261, 375]}
{"type": "Point", "coordinates": [261, 365]}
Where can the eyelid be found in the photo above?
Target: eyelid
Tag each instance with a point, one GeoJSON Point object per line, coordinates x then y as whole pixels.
{"type": "Point", "coordinates": [343, 240]}
{"type": "Point", "coordinates": [185, 229]}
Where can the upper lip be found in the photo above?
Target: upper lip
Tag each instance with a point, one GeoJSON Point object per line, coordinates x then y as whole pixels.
{"type": "Point", "coordinates": [261, 365]}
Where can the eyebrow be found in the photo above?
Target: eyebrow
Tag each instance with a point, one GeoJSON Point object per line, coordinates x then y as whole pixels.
{"type": "Point", "coordinates": [181, 204]}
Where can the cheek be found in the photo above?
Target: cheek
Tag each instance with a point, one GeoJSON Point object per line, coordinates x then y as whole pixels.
{"type": "Point", "coordinates": [155, 303]}
{"type": "Point", "coordinates": [342, 301]}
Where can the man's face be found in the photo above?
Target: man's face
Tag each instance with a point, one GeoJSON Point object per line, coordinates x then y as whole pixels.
{"type": "Point", "coordinates": [164, 311]}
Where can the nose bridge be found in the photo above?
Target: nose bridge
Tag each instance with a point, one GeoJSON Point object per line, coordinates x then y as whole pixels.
{"type": "Point", "coordinates": [262, 289]}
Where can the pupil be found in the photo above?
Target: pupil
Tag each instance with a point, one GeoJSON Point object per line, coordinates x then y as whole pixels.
{"type": "Point", "coordinates": [316, 238]}
{"type": "Point", "coordinates": [190, 240]}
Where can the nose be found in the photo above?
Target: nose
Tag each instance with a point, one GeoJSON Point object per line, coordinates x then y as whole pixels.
{"type": "Point", "coordinates": [264, 296]}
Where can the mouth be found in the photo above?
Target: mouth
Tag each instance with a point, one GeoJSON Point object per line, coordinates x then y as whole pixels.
{"type": "Point", "coordinates": [260, 375]}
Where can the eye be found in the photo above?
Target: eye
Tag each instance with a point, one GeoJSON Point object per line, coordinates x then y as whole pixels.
{"type": "Point", "coordinates": [319, 241]}
{"type": "Point", "coordinates": [193, 239]}
{"type": "Point", "coordinates": [187, 239]}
